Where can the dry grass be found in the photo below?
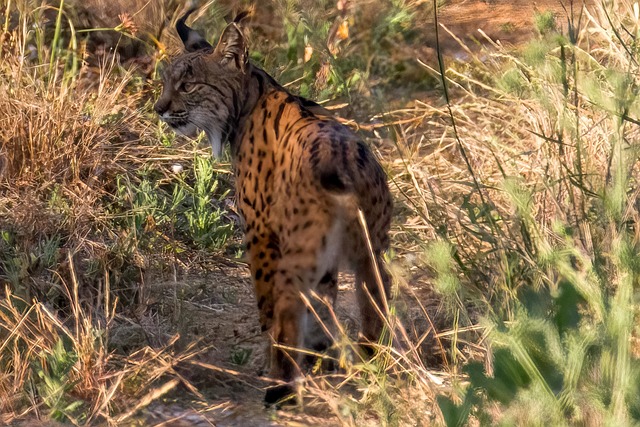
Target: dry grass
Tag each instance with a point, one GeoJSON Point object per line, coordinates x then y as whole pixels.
{"type": "Point", "coordinates": [503, 134]}
{"type": "Point", "coordinates": [533, 157]}
{"type": "Point", "coordinates": [65, 138]}
{"type": "Point", "coordinates": [50, 359]}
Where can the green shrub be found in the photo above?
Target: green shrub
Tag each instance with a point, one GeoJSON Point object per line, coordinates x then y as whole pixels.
{"type": "Point", "coordinates": [560, 312]}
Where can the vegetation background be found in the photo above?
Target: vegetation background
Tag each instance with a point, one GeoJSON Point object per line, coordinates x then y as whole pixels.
{"type": "Point", "coordinates": [510, 135]}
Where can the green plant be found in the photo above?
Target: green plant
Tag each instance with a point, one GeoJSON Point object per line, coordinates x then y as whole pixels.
{"type": "Point", "coordinates": [13, 266]}
{"type": "Point", "coordinates": [240, 356]}
{"type": "Point", "coordinates": [204, 223]}
{"type": "Point", "coordinates": [19, 264]}
{"type": "Point", "coordinates": [566, 350]}
{"type": "Point", "coordinates": [560, 309]}
{"type": "Point", "coordinates": [508, 27]}
{"type": "Point", "coordinates": [545, 22]}
{"type": "Point", "coordinates": [187, 205]}
{"type": "Point", "coordinates": [141, 202]}
{"type": "Point", "coordinates": [54, 385]}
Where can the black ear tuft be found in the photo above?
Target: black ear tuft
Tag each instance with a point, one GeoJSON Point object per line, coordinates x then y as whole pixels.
{"type": "Point", "coordinates": [191, 39]}
{"type": "Point", "coordinates": [242, 16]}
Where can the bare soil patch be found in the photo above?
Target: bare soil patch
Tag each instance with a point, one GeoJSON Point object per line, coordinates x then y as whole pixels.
{"type": "Point", "coordinates": [509, 22]}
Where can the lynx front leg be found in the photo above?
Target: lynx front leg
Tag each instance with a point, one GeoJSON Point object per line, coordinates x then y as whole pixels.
{"type": "Point", "coordinates": [264, 256]}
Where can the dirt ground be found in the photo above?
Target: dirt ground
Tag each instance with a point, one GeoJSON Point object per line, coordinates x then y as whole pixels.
{"type": "Point", "coordinates": [218, 308]}
{"type": "Point", "coordinates": [509, 22]}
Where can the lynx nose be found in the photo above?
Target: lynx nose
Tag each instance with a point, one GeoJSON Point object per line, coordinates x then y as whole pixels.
{"type": "Point", "coordinates": [161, 107]}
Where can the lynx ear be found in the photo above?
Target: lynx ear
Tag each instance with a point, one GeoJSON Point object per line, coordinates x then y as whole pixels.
{"type": "Point", "coordinates": [232, 47]}
{"type": "Point", "coordinates": [190, 38]}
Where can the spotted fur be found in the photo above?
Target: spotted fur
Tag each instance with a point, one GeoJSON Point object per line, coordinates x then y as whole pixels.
{"type": "Point", "coordinates": [300, 179]}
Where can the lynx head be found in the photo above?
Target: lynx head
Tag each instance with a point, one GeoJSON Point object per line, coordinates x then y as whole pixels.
{"type": "Point", "coordinates": [202, 87]}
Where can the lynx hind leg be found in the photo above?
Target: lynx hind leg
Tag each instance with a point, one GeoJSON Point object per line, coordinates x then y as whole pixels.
{"type": "Point", "coordinates": [319, 326]}
{"type": "Point", "coordinates": [371, 299]}
{"type": "Point", "coordinates": [286, 336]}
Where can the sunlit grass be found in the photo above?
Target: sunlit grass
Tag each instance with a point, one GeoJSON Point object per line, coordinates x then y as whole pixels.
{"type": "Point", "coordinates": [72, 243]}
{"type": "Point", "coordinates": [538, 245]}
{"type": "Point", "coordinates": [515, 243]}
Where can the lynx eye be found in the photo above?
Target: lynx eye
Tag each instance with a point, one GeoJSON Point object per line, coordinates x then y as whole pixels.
{"type": "Point", "coordinates": [187, 87]}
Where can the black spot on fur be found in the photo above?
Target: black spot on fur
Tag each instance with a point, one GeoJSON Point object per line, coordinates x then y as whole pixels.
{"type": "Point", "coordinates": [307, 103]}
{"type": "Point", "coordinates": [331, 181]}
{"type": "Point", "coordinates": [362, 155]}
{"type": "Point", "coordinates": [327, 278]}
{"type": "Point", "coordinates": [276, 124]}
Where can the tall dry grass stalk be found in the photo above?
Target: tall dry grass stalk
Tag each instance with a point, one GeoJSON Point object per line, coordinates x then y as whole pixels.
{"type": "Point", "coordinates": [58, 364]}
{"type": "Point", "coordinates": [532, 198]}
{"type": "Point", "coordinates": [522, 217]}
{"type": "Point", "coordinates": [66, 134]}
